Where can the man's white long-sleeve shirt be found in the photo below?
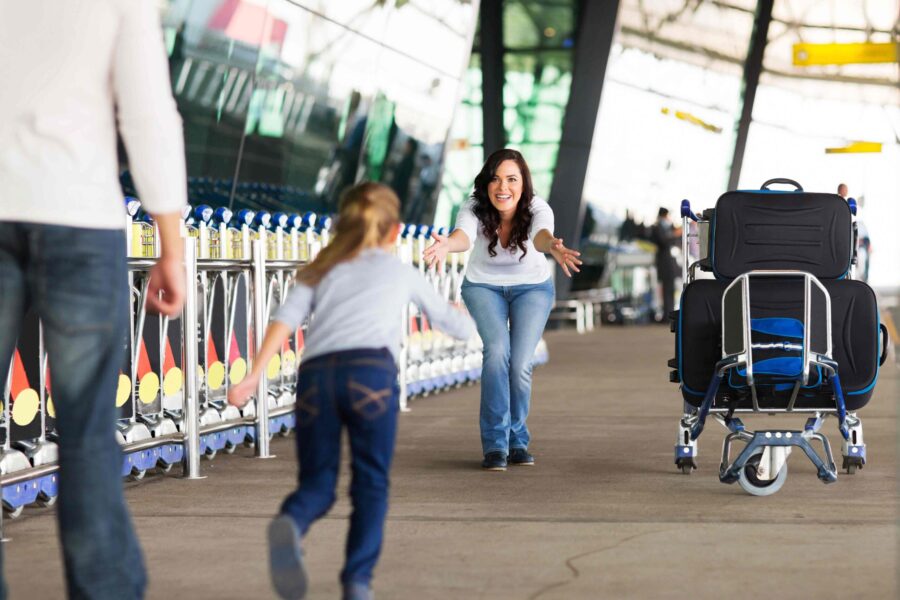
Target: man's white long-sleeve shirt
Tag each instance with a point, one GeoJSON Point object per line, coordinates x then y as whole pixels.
{"type": "Point", "coordinates": [68, 69]}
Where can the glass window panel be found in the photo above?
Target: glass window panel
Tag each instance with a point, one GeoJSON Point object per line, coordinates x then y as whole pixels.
{"type": "Point", "coordinates": [435, 32]}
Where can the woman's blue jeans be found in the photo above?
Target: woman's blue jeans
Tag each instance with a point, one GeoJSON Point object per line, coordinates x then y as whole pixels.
{"type": "Point", "coordinates": [510, 321]}
{"type": "Point", "coordinates": [76, 280]}
{"type": "Point", "coordinates": [356, 390]}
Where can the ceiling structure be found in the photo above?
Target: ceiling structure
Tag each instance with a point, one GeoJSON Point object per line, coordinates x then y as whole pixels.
{"type": "Point", "coordinates": [715, 34]}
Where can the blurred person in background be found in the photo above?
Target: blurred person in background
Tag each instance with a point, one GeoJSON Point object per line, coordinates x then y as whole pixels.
{"type": "Point", "coordinates": [666, 236]}
{"type": "Point", "coordinates": [863, 242]}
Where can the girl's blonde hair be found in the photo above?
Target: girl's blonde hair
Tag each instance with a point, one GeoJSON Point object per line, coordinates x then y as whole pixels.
{"type": "Point", "coordinates": [368, 212]}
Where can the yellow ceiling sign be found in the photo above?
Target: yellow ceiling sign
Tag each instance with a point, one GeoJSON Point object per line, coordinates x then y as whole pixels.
{"type": "Point", "coordinates": [693, 120]}
{"type": "Point", "coordinates": [855, 147]}
{"type": "Point", "coordinates": [806, 55]}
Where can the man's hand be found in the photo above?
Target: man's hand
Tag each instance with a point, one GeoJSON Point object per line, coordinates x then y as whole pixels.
{"type": "Point", "coordinates": [165, 290]}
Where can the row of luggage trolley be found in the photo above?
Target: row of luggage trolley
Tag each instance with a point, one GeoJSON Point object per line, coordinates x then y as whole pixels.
{"type": "Point", "coordinates": [773, 322]}
{"type": "Point", "coordinates": [175, 377]}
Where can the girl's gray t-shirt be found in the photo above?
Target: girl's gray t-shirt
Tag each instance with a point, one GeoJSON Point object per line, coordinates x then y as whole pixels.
{"type": "Point", "coordinates": [359, 304]}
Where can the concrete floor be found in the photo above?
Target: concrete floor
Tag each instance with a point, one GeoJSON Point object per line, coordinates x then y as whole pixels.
{"type": "Point", "coordinates": [604, 514]}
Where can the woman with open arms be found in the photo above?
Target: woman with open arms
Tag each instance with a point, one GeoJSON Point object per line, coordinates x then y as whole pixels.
{"type": "Point", "coordinates": [509, 292]}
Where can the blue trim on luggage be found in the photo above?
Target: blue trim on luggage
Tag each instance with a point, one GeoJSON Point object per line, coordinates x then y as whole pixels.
{"type": "Point", "coordinates": [869, 387]}
{"type": "Point", "coordinates": [782, 326]}
{"type": "Point", "coordinates": [790, 366]}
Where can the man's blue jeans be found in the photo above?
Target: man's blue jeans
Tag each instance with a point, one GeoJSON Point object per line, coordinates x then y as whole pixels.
{"type": "Point", "coordinates": [510, 321]}
{"type": "Point", "coordinates": [356, 389]}
{"type": "Point", "coordinates": [76, 279]}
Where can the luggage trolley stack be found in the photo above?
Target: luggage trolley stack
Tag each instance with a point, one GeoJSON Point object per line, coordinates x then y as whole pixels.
{"type": "Point", "coordinates": [783, 328]}
{"type": "Point", "coordinates": [431, 361]}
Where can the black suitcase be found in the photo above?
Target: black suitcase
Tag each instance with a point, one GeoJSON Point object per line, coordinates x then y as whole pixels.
{"type": "Point", "coordinates": [766, 229]}
{"type": "Point", "coordinates": [855, 328]}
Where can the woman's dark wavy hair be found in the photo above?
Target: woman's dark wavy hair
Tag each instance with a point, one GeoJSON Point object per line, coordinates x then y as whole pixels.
{"type": "Point", "coordinates": [489, 217]}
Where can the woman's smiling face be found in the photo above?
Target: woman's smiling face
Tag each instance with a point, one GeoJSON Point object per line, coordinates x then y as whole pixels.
{"type": "Point", "coordinates": [505, 188]}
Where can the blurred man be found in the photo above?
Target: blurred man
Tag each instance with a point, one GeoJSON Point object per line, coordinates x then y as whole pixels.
{"type": "Point", "coordinates": [863, 242]}
{"type": "Point", "coordinates": [70, 70]}
{"type": "Point", "coordinates": [665, 235]}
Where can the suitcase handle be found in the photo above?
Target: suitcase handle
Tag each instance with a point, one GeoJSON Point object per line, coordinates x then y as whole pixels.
{"type": "Point", "coordinates": [884, 344]}
{"type": "Point", "coordinates": [765, 186]}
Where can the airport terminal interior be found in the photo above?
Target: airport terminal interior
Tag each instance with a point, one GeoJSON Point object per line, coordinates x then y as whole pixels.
{"type": "Point", "coordinates": [728, 170]}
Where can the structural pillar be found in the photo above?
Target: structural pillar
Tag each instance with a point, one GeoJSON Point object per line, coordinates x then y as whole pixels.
{"type": "Point", "coordinates": [752, 70]}
{"type": "Point", "coordinates": [596, 27]}
{"type": "Point", "coordinates": [492, 75]}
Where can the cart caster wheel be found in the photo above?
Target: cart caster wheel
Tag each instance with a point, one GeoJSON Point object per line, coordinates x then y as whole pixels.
{"type": "Point", "coordinates": [230, 448]}
{"type": "Point", "coordinates": [852, 464]}
{"type": "Point", "coordinates": [13, 513]}
{"type": "Point", "coordinates": [137, 474]}
{"type": "Point", "coordinates": [285, 433]}
{"type": "Point", "coordinates": [686, 465]}
{"type": "Point", "coordinates": [163, 468]}
{"type": "Point", "coordinates": [758, 487]}
{"type": "Point", "coordinates": [46, 501]}
{"type": "Point", "coordinates": [209, 454]}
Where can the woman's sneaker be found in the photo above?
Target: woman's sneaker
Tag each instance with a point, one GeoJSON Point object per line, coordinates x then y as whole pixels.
{"type": "Point", "coordinates": [520, 457]}
{"type": "Point", "coordinates": [286, 559]}
{"type": "Point", "coordinates": [494, 461]}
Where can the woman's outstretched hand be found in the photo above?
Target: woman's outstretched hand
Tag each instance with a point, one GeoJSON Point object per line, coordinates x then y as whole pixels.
{"type": "Point", "coordinates": [437, 251]}
{"type": "Point", "coordinates": [240, 393]}
{"type": "Point", "coordinates": [567, 259]}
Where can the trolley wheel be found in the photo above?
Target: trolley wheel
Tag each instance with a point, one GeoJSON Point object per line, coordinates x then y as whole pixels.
{"type": "Point", "coordinates": [163, 468]}
{"type": "Point", "coordinates": [284, 432]}
{"type": "Point", "coordinates": [230, 448]}
{"type": "Point", "coordinates": [210, 453]}
{"type": "Point", "coordinates": [13, 513]}
{"type": "Point", "coordinates": [755, 486]}
{"type": "Point", "coordinates": [45, 500]}
{"type": "Point", "coordinates": [137, 474]}
{"type": "Point", "coordinates": [687, 465]}
{"type": "Point", "coordinates": [852, 464]}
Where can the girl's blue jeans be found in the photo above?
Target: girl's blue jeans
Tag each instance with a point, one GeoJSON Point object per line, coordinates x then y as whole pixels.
{"type": "Point", "coordinates": [356, 390]}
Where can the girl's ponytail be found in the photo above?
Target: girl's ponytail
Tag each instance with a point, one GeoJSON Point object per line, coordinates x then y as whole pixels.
{"type": "Point", "coordinates": [368, 211]}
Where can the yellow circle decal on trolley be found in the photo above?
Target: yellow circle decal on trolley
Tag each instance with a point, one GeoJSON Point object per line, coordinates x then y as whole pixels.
{"type": "Point", "coordinates": [25, 407]}
{"type": "Point", "coordinates": [172, 382]}
{"type": "Point", "coordinates": [51, 408]}
{"type": "Point", "coordinates": [238, 371]}
{"type": "Point", "coordinates": [273, 367]}
{"type": "Point", "coordinates": [216, 375]}
{"type": "Point", "coordinates": [288, 361]}
{"type": "Point", "coordinates": [148, 388]}
{"type": "Point", "coordinates": [124, 391]}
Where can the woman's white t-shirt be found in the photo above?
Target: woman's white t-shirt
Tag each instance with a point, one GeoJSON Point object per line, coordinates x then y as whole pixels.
{"type": "Point", "coordinates": [506, 268]}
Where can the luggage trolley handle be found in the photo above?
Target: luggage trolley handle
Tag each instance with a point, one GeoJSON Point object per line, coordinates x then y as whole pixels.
{"type": "Point", "coordinates": [783, 180]}
{"type": "Point", "coordinates": [688, 215]}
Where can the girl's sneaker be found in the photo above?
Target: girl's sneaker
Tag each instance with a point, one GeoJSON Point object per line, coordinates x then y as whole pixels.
{"type": "Point", "coordinates": [286, 559]}
{"type": "Point", "coordinates": [357, 591]}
